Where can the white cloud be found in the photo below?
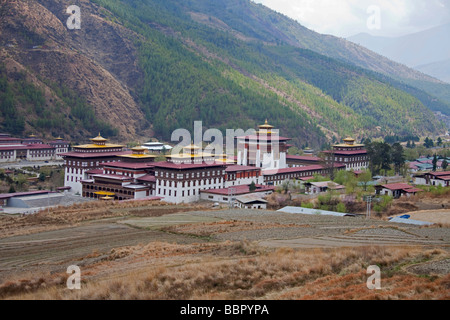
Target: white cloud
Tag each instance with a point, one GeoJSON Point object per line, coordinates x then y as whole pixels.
{"type": "Point", "coordinates": [347, 17]}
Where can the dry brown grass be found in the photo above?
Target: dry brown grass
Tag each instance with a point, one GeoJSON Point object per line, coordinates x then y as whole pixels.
{"type": "Point", "coordinates": [242, 271]}
{"type": "Point", "coordinates": [62, 216]}
{"type": "Point", "coordinates": [211, 228]}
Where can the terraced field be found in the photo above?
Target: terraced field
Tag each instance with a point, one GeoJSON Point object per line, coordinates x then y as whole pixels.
{"type": "Point", "coordinates": [117, 246]}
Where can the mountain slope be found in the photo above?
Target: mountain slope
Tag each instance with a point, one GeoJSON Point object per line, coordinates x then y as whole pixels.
{"type": "Point", "coordinates": [412, 50]}
{"type": "Point", "coordinates": [83, 61]}
{"type": "Point", "coordinates": [439, 69]}
{"type": "Point", "coordinates": [417, 50]}
{"type": "Point", "coordinates": [255, 21]}
{"type": "Point", "coordinates": [147, 67]}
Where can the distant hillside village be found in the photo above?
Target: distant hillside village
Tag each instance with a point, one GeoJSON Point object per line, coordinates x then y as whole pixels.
{"type": "Point", "coordinates": [106, 171]}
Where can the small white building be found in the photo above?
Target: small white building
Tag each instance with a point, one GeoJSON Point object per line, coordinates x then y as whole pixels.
{"type": "Point", "coordinates": [227, 195]}
{"type": "Point", "coordinates": [323, 186]}
{"type": "Point", "coordinates": [250, 201]}
{"type": "Point", "coordinates": [7, 154]}
{"type": "Point", "coordinates": [441, 178]}
{"type": "Point", "coordinates": [157, 147]}
{"type": "Point", "coordinates": [396, 190]}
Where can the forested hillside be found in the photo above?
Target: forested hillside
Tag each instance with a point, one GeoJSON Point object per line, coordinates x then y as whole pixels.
{"type": "Point", "coordinates": [171, 63]}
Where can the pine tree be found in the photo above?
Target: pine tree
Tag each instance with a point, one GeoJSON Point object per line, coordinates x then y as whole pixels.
{"type": "Point", "coordinates": [435, 159]}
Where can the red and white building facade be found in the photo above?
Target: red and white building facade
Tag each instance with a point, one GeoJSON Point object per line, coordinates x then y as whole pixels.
{"type": "Point", "coordinates": [265, 149]}
{"type": "Point", "coordinates": [84, 158]}
{"type": "Point", "coordinates": [29, 149]}
{"type": "Point", "coordinates": [100, 170]}
{"type": "Point", "coordinates": [353, 156]}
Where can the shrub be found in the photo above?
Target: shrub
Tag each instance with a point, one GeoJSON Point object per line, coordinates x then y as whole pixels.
{"type": "Point", "coordinates": [341, 207]}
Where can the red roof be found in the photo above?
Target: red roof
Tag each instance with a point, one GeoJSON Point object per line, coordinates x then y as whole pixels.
{"type": "Point", "coordinates": [39, 146]}
{"type": "Point", "coordinates": [299, 169]}
{"type": "Point", "coordinates": [95, 171]}
{"type": "Point", "coordinates": [129, 165]}
{"type": "Point", "coordinates": [267, 137]}
{"type": "Point", "coordinates": [16, 147]}
{"type": "Point", "coordinates": [8, 139]}
{"type": "Point", "coordinates": [234, 168]}
{"type": "Point", "coordinates": [84, 155]}
{"type": "Point", "coordinates": [440, 173]}
{"type": "Point", "coordinates": [26, 147]}
{"type": "Point", "coordinates": [412, 190]}
{"type": "Point", "coordinates": [347, 153]}
{"type": "Point", "coordinates": [397, 186]}
{"type": "Point", "coordinates": [184, 166]}
{"type": "Point", "coordinates": [241, 189]}
{"type": "Point", "coordinates": [148, 178]}
{"type": "Point", "coordinates": [113, 176]}
{"type": "Point", "coordinates": [303, 158]}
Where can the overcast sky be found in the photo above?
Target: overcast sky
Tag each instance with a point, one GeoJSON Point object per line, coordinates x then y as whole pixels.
{"type": "Point", "coordinates": [344, 18]}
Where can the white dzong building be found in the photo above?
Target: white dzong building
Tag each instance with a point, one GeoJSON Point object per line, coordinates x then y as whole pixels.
{"type": "Point", "coordinates": [265, 149]}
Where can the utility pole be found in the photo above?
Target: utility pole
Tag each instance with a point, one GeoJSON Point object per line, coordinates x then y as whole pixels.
{"type": "Point", "coordinates": [369, 201]}
{"type": "Point", "coordinates": [231, 194]}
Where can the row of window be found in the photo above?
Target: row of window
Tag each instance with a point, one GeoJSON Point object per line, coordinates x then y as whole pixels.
{"type": "Point", "coordinates": [194, 183]}
{"type": "Point", "coordinates": [180, 176]}
{"type": "Point", "coordinates": [84, 163]}
{"type": "Point", "coordinates": [184, 193]}
{"type": "Point", "coordinates": [340, 159]}
{"type": "Point", "coordinates": [97, 150]}
{"type": "Point", "coordinates": [99, 188]}
{"type": "Point", "coordinates": [291, 175]}
{"type": "Point", "coordinates": [347, 149]}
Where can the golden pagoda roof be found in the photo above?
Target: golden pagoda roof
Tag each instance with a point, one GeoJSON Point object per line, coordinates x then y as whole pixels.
{"type": "Point", "coordinates": [191, 147]}
{"type": "Point", "coordinates": [349, 142]}
{"type": "Point", "coordinates": [99, 138]}
{"type": "Point", "coordinates": [138, 149]}
{"type": "Point", "coordinates": [98, 142]}
{"type": "Point", "coordinates": [266, 125]}
{"type": "Point", "coordinates": [138, 156]}
{"type": "Point", "coordinates": [107, 198]}
{"type": "Point", "coordinates": [105, 193]}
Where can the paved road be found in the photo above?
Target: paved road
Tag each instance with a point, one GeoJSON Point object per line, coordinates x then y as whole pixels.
{"type": "Point", "coordinates": [21, 164]}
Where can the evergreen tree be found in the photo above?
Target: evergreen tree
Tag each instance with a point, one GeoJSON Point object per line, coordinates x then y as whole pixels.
{"type": "Point", "coordinates": [444, 164]}
{"type": "Point", "coordinates": [428, 143]}
{"type": "Point", "coordinates": [434, 162]}
{"type": "Point", "coordinates": [398, 158]}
